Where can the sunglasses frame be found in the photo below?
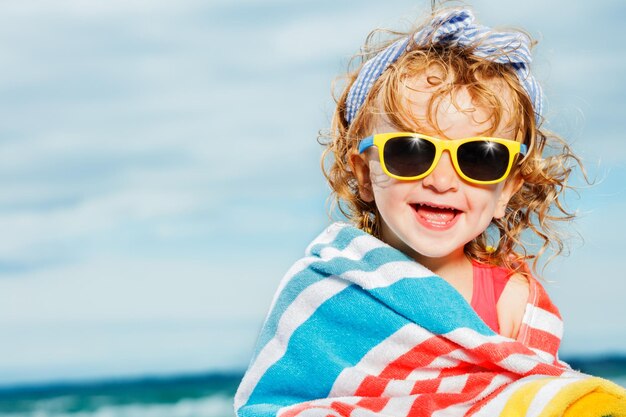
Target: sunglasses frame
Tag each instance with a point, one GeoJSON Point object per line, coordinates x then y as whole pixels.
{"type": "Point", "coordinates": [451, 145]}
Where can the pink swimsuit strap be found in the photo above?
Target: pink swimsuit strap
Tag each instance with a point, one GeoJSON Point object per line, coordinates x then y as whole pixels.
{"type": "Point", "coordinates": [489, 282]}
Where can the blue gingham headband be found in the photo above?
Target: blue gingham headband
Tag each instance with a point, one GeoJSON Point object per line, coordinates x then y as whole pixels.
{"type": "Point", "coordinates": [453, 27]}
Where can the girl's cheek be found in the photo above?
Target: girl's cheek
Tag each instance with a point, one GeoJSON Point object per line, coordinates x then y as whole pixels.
{"type": "Point", "coordinates": [378, 176]}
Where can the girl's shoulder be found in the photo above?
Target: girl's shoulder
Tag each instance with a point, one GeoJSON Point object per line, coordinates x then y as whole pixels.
{"type": "Point", "coordinates": [512, 304]}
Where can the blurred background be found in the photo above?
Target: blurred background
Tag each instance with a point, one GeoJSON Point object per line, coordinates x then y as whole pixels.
{"type": "Point", "coordinates": [159, 173]}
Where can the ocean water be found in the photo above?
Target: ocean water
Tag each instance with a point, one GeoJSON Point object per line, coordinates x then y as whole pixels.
{"type": "Point", "coordinates": [65, 406]}
{"type": "Point", "coordinates": [620, 380]}
{"type": "Point", "coordinates": [197, 396]}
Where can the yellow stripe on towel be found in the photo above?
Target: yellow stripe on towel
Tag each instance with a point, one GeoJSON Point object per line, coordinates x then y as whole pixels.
{"type": "Point", "coordinates": [566, 397]}
{"type": "Point", "coordinates": [589, 397]}
{"type": "Point", "coordinates": [518, 403]}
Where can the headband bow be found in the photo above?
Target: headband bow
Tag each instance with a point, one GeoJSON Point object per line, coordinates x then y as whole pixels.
{"type": "Point", "coordinates": [453, 27]}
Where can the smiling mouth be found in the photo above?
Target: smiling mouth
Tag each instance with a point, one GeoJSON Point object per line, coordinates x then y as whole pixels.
{"type": "Point", "coordinates": [435, 215]}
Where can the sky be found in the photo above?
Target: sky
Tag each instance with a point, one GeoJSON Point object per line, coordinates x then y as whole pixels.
{"type": "Point", "coordinates": [159, 171]}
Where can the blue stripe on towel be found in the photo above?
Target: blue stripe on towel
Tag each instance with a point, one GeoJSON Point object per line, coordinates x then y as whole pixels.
{"type": "Point", "coordinates": [317, 271]}
{"type": "Point", "coordinates": [341, 241]}
{"type": "Point", "coordinates": [259, 410]}
{"type": "Point", "coordinates": [405, 296]}
{"type": "Point", "coordinates": [307, 361]}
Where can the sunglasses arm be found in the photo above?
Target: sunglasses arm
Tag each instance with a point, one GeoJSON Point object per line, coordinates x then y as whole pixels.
{"type": "Point", "coordinates": [366, 143]}
{"type": "Point", "coordinates": [523, 149]}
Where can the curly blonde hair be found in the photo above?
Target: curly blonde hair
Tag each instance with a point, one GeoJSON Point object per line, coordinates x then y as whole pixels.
{"type": "Point", "coordinates": [544, 171]}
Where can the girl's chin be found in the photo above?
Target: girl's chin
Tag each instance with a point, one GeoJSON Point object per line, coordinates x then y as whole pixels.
{"type": "Point", "coordinates": [439, 255]}
{"type": "Point", "coordinates": [430, 251]}
{"type": "Point", "coordinates": [427, 244]}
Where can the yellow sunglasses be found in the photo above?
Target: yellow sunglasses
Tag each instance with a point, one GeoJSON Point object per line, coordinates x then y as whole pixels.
{"type": "Point", "coordinates": [412, 156]}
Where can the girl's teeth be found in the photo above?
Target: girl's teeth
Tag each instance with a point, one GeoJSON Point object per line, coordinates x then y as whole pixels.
{"type": "Point", "coordinates": [436, 215]}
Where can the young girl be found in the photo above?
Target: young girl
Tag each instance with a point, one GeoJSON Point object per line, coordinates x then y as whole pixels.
{"type": "Point", "coordinates": [425, 304]}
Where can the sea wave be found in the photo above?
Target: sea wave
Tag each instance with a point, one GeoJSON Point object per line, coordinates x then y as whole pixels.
{"type": "Point", "coordinates": [213, 406]}
{"type": "Point", "coordinates": [620, 380]}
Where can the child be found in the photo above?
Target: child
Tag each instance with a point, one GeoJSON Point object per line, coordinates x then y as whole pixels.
{"type": "Point", "coordinates": [427, 305]}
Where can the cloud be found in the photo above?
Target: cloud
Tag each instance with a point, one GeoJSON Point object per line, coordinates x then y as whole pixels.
{"type": "Point", "coordinates": [135, 288]}
{"type": "Point", "coordinates": [88, 351]}
{"type": "Point", "coordinates": [131, 316]}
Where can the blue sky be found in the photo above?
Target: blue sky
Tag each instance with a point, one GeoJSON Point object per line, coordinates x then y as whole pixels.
{"type": "Point", "coordinates": [160, 172]}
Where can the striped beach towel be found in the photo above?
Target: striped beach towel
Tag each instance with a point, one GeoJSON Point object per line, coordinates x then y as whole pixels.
{"type": "Point", "coordinates": [359, 329]}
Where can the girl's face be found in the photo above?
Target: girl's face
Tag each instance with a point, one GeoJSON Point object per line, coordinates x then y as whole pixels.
{"type": "Point", "coordinates": [432, 219]}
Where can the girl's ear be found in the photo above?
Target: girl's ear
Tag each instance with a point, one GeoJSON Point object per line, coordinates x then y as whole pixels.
{"type": "Point", "coordinates": [361, 170]}
{"type": "Point", "coordinates": [510, 188]}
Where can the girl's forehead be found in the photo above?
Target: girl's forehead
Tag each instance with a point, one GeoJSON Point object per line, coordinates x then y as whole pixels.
{"type": "Point", "coordinates": [443, 109]}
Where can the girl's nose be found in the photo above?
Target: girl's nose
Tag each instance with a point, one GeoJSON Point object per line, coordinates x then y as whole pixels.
{"type": "Point", "coordinates": [444, 177]}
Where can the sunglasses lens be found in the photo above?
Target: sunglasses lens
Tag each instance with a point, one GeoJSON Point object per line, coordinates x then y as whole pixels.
{"type": "Point", "coordinates": [408, 156]}
{"type": "Point", "coordinates": [483, 160]}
